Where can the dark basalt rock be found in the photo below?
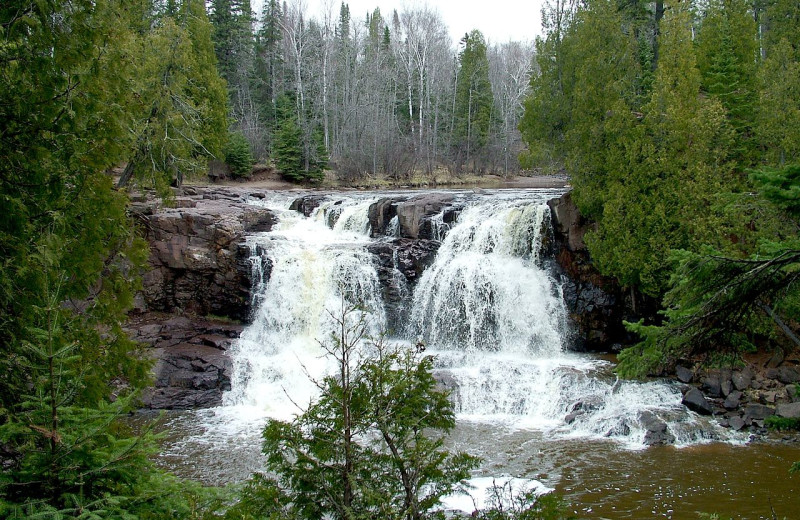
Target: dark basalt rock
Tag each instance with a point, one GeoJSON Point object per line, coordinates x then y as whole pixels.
{"type": "Point", "coordinates": [381, 213]}
{"type": "Point", "coordinates": [757, 412]}
{"type": "Point", "coordinates": [733, 400]}
{"type": "Point", "coordinates": [656, 430]}
{"type": "Point", "coordinates": [399, 263]}
{"type": "Point", "coordinates": [198, 255]}
{"type": "Point", "coordinates": [412, 212]}
{"type": "Point", "coordinates": [683, 374]}
{"type": "Point", "coordinates": [307, 204]}
{"type": "Point", "coordinates": [191, 364]}
{"type": "Point", "coordinates": [788, 410]}
{"type": "Point", "coordinates": [695, 400]}
{"type": "Point", "coordinates": [597, 305]}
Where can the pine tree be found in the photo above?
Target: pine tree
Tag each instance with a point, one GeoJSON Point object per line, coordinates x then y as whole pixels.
{"type": "Point", "coordinates": [182, 116]}
{"type": "Point", "coordinates": [778, 112]}
{"type": "Point", "coordinates": [362, 449]}
{"type": "Point", "coordinates": [678, 165]}
{"type": "Point", "coordinates": [287, 147]}
{"type": "Point", "coordinates": [474, 99]}
{"type": "Point", "coordinates": [726, 57]}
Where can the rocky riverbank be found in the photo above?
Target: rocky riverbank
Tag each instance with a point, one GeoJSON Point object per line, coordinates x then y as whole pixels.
{"type": "Point", "coordinates": [196, 293]}
{"type": "Point", "coordinates": [740, 398]}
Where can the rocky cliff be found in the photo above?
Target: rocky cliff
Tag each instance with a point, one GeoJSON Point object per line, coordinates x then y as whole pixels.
{"type": "Point", "coordinates": [596, 303]}
{"type": "Point", "coordinates": [197, 286]}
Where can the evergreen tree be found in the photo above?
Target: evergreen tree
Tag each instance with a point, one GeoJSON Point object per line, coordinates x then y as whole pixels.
{"type": "Point", "coordinates": [268, 81]}
{"type": "Point", "coordinates": [69, 263]}
{"type": "Point", "coordinates": [778, 112]}
{"type": "Point", "coordinates": [362, 449]}
{"type": "Point", "coordinates": [238, 156]}
{"type": "Point", "coordinates": [473, 100]}
{"type": "Point", "coordinates": [679, 164]}
{"type": "Point", "coordinates": [718, 306]}
{"type": "Point", "coordinates": [182, 116]}
{"type": "Point", "coordinates": [287, 147]}
{"type": "Point", "coordinates": [726, 57]}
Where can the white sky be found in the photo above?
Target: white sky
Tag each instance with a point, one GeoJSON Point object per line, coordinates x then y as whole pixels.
{"type": "Point", "coordinates": [498, 20]}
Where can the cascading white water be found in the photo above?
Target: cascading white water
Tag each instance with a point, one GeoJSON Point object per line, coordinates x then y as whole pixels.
{"type": "Point", "coordinates": [486, 290]}
{"type": "Point", "coordinates": [488, 309]}
{"type": "Point", "coordinates": [494, 317]}
{"type": "Point", "coordinates": [314, 271]}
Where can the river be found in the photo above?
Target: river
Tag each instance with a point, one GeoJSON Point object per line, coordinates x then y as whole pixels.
{"type": "Point", "coordinates": [489, 309]}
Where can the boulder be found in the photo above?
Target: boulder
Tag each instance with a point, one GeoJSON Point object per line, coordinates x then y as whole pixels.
{"type": "Point", "coordinates": [793, 393]}
{"type": "Point", "coordinates": [683, 374]}
{"type": "Point", "coordinates": [412, 212]}
{"type": "Point", "coordinates": [732, 401]}
{"type": "Point", "coordinates": [712, 385]}
{"type": "Point", "coordinates": [381, 213]}
{"type": "Point", "coordinates": [570, 417]}
{"type": "Point", "coordinates": [757, 412]}
{"type": "Point", "coordinates": [788, 410]}
{"type": "Point", "coordinates": [656, 432]}
{"type": "Point", "coordinates": [307, 204]}
{"type": "Point", "coordinates": [736, 423]}
{"type": "Point", "coordinates": [787, 375]}
{"type": "Point", "coordinates": [741, 379]}
{"type": "Point", "coordinates": [695, 400]}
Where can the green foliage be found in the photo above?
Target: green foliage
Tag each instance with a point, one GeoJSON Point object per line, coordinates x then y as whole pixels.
{"type": "Point", "coordinates": [70, 264]}
{"type": "Point", "coordinates": [726, 48]}
{"type": "Point", "coordinates": [782, 424]}
{"type": "Point", "coordinates": [718, 304]}
{"type": "Point", "coordinates": [362, 449]}
{"type": "Point", "coordinates": [180, 117]}
{"type": "Point", "coordinates": [782, 187]}
{"type": "Point", "coordinates": [474, 99]}
{"type": "Point", "coordinates": [238, 155]}
{"type": "Point", "coordinates": [299, 158]}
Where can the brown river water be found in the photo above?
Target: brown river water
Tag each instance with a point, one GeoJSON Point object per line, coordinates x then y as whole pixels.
{"type": "Point", "coordinates": [598, 478]}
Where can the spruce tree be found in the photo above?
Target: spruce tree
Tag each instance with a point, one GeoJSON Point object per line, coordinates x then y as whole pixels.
{"type": "Point", "coordinates": [181, 119]}
{"type": "Point", "coordinates": [473, 99]}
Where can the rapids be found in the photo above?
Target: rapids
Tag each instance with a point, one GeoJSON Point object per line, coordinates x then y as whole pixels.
{"type": "Point", "coordinates": [489, 309]}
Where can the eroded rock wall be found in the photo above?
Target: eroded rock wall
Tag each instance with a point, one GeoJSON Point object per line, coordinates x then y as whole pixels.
{"type": "Point", "coordinates": [197, 292]}
{"type": "Point", "coordinates": [198, 255]}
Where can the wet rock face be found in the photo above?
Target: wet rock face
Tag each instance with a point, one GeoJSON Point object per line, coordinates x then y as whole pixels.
{"type": "Point", "coordinates": [191, 362]}
{"type": "Point", "coordinates": [381, 214]}
{"type": "Point", "coordinates": [414, 212]}
{"type": "Point", "coordinates": [656, 432]}
{"type": "Point", "coordinates": [198, 256]}
{"type": "Point", "coordinates": [597, 305]}
{"type": "Point", "coordinates": [400, 263]}
{"type": "Point", "coordinates": [307, 204]}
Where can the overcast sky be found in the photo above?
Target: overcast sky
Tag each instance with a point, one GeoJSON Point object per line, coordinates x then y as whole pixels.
{"type": "Point", "coordinates": [498, 20]}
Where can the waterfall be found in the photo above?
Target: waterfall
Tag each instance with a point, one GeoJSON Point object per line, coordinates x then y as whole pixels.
{"type": "Point", "coordinates": [489, 309]}
{"type": "Point", "coordinates": [491, 312]}
{"type": "Point", "coordinates": [313, 271]}
{"type": "Point", "coordinates": [486, 289]}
